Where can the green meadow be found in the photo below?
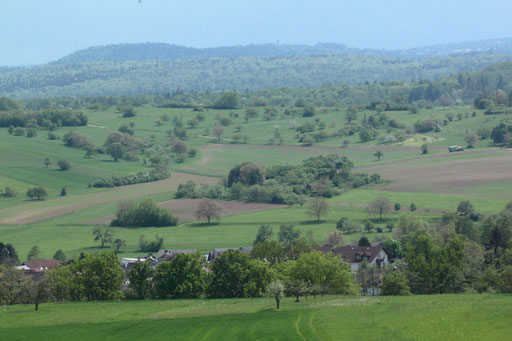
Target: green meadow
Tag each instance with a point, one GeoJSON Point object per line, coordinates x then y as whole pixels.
{"type": "Point", "coordinates": [65, 222]}
{"type": "Point", "coordinates": [436, 317]}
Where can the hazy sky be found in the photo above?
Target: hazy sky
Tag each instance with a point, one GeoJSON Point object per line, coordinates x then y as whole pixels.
{"type": "Point", "coordinates": [38, 31]}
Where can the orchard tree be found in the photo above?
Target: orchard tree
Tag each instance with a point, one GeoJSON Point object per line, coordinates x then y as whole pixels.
{"type": "Point", "coordinates": [179, 147]}
{"type": "Point", "coordinates": [116, 151]}
{"type": "Point", "coordinates": [64, 165]}
{"type": "Point", "coordinates": [38, 193]}
{"type": "Point", "coordinates": [318, 207]}
{"type": "Point", "coordinates": [378, 154]}
{"type": "Point", "coordinates": [47, 162]}
{"type": "Point", "coordinates": [276, 289]}
{"type": "Point", "coordinates": [103, 234]}
{"type": "Point", "coordinates": [380, 206]}
{"type": "Point", "coordinates": [397, 207]}
{"type": "Point", "coordinates": [471, 138]}
{"type": "Point", "coordinates": [208, 209]}
{"type": "Point", "coordinates": [424, 148]}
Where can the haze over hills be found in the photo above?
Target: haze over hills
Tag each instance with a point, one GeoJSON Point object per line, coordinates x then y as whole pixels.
{"type": "Point", "coordinates": [144, 68]}
{"type": "Point", "coordinates": [162, 51]}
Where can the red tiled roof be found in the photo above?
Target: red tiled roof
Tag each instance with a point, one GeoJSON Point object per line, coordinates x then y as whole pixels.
{"type": "Point", "coordinates": [42, 265]}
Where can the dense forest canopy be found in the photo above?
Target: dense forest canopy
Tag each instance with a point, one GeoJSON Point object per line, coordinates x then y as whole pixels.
{"type": "Point", "coordinates": [126, 70]}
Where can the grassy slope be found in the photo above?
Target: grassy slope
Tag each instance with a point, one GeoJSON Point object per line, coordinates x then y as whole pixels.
{"type": "Point", "coordinates": [23, 167]}
{"type": "Point", "coordinates": [446, 317]}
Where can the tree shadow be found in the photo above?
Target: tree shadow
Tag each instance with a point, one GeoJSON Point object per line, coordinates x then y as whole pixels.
{"type": "Point", "coordinates": [204, 224]}
{"type": "Point", "coordinates": [312, 222]}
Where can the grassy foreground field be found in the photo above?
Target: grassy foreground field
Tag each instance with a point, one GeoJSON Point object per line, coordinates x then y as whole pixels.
{"type": "Point", "coordinates": [446, 317]}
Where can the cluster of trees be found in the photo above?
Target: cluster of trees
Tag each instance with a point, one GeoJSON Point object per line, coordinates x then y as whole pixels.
{"type": "Point", "coordinates": [147, 213]}
{"type": "Point", "coordinates": [99, 277]}
{"type": "Point", "coordinates": [321, 176]}
{"type": "Point", "coordinates": [49, 119]}
{"type": "Point", "coordinates": [159, 173]}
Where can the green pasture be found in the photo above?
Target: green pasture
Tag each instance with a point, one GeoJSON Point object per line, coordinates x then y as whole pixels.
{"type": "Point", "coordinates": [436, 317]}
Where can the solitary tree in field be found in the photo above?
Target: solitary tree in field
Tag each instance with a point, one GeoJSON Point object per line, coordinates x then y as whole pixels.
{"type": "Point", "coordinates": [380, 205]}
{"type": "Point", "coordinates": [318, 207]}
{"type": "Point", "coordinates": [118, 243]}
{"type": "Point", "coordinates": [378, 154]}
{"type": "Point", "coordinates": [103, 234]}
{"type": "Point", "coordinates": [116, 150]}
{"type": "Point", "coordinates": [397, 207]}
{"type": "Point", "coordinates": [276, 289]}
{"type": "Point", "coordinates": [413, 207]}
{"type": "Point", "coordinates": [64, 165]}
{"type": "Point", "coordinates": [178, 146]}
{"type": "Point", "coordinates": [38, 193]}
{"type": "Point", "coordinates": [424, 148]}
{"type": "Point", "coordinates": [471, 138]}
{"type": "Point", "coordinates": [47, 162]}
{"type": "Point", "coordinates": [351, 114]}
{"type": "Point", "coordinates": [208, 209]}
{"type": "Point", "coordinates": [218, 131]}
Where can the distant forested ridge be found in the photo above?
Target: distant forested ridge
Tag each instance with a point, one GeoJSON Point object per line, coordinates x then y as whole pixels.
{"type": "Point", "coordinates": [217, 74]}
{"type": "Point", "coordinates": [162, 51]}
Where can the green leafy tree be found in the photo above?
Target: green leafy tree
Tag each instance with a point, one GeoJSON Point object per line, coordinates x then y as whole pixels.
{"type": "Point", "coordinates": [118, 243]}
{"type": "Point", "coordinates": [64, 165]}
{"type": "Point", "coordinates": [103, 234]}
{"type": "Point", "coordinates": [235, 275]}
{"type": "Point", "coordinates": [47, 162]}
{"type": "Point", "coordinates": [228, 100]}
{"type": "Point", "coordinates": [287, 234]}
{"type": "Point", "coordinates": [98, 276]}
{"type": "Point", "coordinates": [34, 253]}
{"type": "Point", "coordinates": [140, 279]}
{"type": "Point", "coordinates": [378, 154]}
{"type": "Point", "coordinates": [465, 208]}
{"type": "Point", "coordinates": [412, 207]}
{"type": "Point", "coordinates": [424, 148]}
{"type": "Point", "coordinates": [183, 277]}
{"type": "Point", "coordinates": [397, 207]}
{"type": "Point", "coordinates": [268, 250]}
{"type": "Point", "coordinates": [265, 232]}
{"type": "Point", "coordinates": [431, 269]}
{"type": "Point", "coordinates": [363, 241]}
{"type": "Point", "coordinates": [116, 151]}
{"type": "Point", "coordinates": [38, 193]}
{"type": "Point", "coordinates": [8, 255]}
{"type": "Point", "coordinates": [276, 290]}
{"type": "Point", "coordinates": [324, 271]}
{"type": "Point", "coordinates": [395, 284]}
{"type": "Point", "coordinates": [60, 256]}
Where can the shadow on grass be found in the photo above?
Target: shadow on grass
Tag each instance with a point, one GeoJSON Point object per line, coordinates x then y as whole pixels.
{"type": "Point", "coordinates": [312, 222]}
{"type": "Point", "coordinates": [204, 224]}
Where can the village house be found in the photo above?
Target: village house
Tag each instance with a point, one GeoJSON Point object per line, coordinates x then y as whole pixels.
{"type": "Point", "coordinates": [375, 255]}
{"type": "Point", "coordinates": [39, 265]}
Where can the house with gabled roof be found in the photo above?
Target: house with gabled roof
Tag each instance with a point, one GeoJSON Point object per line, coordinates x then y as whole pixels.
{"type": "Point", "coordinates": [375, 255]}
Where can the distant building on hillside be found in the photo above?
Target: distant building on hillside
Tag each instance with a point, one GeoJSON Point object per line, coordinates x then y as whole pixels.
{"type": "Point", "coordinates": [375, 255]}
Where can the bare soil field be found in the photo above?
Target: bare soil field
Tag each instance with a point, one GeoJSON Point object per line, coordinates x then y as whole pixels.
{"type": "Point", "coordinates": [36, 211]}
{"type": "Point", "coordinates": [446, 173]}
{"type": "Point", "coordinates": [185, 209]}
